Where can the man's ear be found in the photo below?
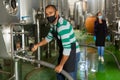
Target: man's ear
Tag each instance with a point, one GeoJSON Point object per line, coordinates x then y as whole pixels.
{"type": "Point", "coordinates": [56, 13]}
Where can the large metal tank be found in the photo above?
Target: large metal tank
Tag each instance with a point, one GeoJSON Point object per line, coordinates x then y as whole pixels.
{"type": "Point", "coordinates": [112, 10]}
{"type": "Point", "coordinates": [93, 6]}
{"type": "Point", "coordinates": [13, 11]}
{"type": "Point", "coordinates": [5, 17]}
{"type": "Point", "coordinates": [65, 9]}
{"type": "Point", "coordinates": [26, 9]}
{"type": "Point", "coordinates": [78, 13]}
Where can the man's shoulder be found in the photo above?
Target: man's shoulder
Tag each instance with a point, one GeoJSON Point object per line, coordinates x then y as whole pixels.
{"type": "Point", "coordinates": [62, 21]}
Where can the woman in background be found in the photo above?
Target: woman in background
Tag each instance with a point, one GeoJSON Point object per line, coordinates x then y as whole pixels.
{"type": "Point", "coordinates": [100, 33]}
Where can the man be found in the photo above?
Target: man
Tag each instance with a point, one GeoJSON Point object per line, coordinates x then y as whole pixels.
{"type": "Point", "coordinates": [62, 31]}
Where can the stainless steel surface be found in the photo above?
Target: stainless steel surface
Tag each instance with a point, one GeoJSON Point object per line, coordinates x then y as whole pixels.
{"type": "Point", "coordinates": [23, 38]}
{"type": "Point", "coordinates": [16, 69]}
{"type": "Point", "coordinates": [5, 42]}
{"type": "Point", "coordinates": [5, 17]}
{"type": "Point", "coordinates": [112, 10]}
{"type": "Point", "coordinates": [11, 6]}
{"type": "Point", "coordinates": [95, 5]}
{"type": "Point", "coordinates": [26, 11]}
{"type": "Point", "coordinates": [23, 11]}
{"type": "Point", "coordinates": [38, 40]}
{"type": "Point", "coordinates": [78, 13]}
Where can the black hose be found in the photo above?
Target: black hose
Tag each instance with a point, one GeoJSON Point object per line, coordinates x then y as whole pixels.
{"type": "Point", "coordinates": [49, 65]}
{"type": "Point", "coordinates": [52, 67]}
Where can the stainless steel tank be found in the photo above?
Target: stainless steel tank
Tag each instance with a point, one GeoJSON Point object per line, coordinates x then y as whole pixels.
{"type": "Point", "coordinates": [93, 6]}
{"type": "Point", "coordinates": [78, 13]}
{"type": "Point", "coordinates": [112, 10]}
{"type": "Point", "coordinates": [26, 9]}
{"type": "Point", "coordinates": [5, 17]}
{"type": "Point", "coordinates": [65, 9]}
{"type": "Point", "coordinates": [13, 11]}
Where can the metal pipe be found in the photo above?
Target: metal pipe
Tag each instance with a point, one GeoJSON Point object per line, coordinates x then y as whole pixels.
{"type": "Point", "coordinates": [4, 72]}
{"type": "Point", "coordinates": [11, 35]}
{"type": "Point", "coordinates": [23, 38]}
{"type": "Point", "coordinates": [11, 77]}
{"type": "Point", "coordinates": [38, 40]}
{"type": "Point", "coordinates": [16, 70]}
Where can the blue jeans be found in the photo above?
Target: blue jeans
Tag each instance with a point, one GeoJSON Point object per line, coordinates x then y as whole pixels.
{"type": "Point", "coordinates": [101, 50]}
{"type": "Point", "coordinates": [73, 74]}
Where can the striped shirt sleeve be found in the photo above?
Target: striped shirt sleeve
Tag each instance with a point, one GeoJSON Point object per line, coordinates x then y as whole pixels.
{"type": "Point", "coordinates": [49, 37]}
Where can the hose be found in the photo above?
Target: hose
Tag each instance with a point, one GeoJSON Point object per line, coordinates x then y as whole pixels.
{"type": "Point", "coordinates": [49, 65]}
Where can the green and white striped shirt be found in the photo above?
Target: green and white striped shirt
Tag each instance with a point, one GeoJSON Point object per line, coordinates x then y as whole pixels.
{"type": "Point", "coordinates": [65, 34]}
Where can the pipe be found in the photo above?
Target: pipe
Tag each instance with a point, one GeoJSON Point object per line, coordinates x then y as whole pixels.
{"type": "Point", "coordinates": [4, 72]}
{"type": "Point", "coordinates": [11, 36]}
{"type": "Point", "coordinates": [16, 69]}
{"type": "Point", "coordinates": [23, 38]}
{"type": "Point", "coordinates": [38, 40]}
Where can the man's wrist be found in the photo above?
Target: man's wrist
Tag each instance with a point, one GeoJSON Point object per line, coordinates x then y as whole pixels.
{"type": "Point", "coordinates": [37, 45]}
{"type": "Point", "coordinates": [61, 65]}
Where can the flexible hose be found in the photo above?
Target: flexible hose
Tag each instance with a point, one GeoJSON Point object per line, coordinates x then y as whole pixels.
{"type": "Point", "coordinates": [49, 65]}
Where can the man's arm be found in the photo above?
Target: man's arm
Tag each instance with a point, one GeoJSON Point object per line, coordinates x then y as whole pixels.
{"type": "Point", "coordinates": [43, 42]}
{"type": "Point", "coordinates": [62, 62]}
{"type": "Point", "coordinates": [47, 39]}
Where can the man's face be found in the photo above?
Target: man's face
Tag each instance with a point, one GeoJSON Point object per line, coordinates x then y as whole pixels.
{"type": "Point", "coordinates": [50, 12]}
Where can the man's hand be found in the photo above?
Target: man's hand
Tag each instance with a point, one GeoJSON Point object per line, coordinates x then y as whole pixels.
{"type": "Point", "coordinates": [34, 48]}
{"type": "Point", "coordinates": [58, 68]}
